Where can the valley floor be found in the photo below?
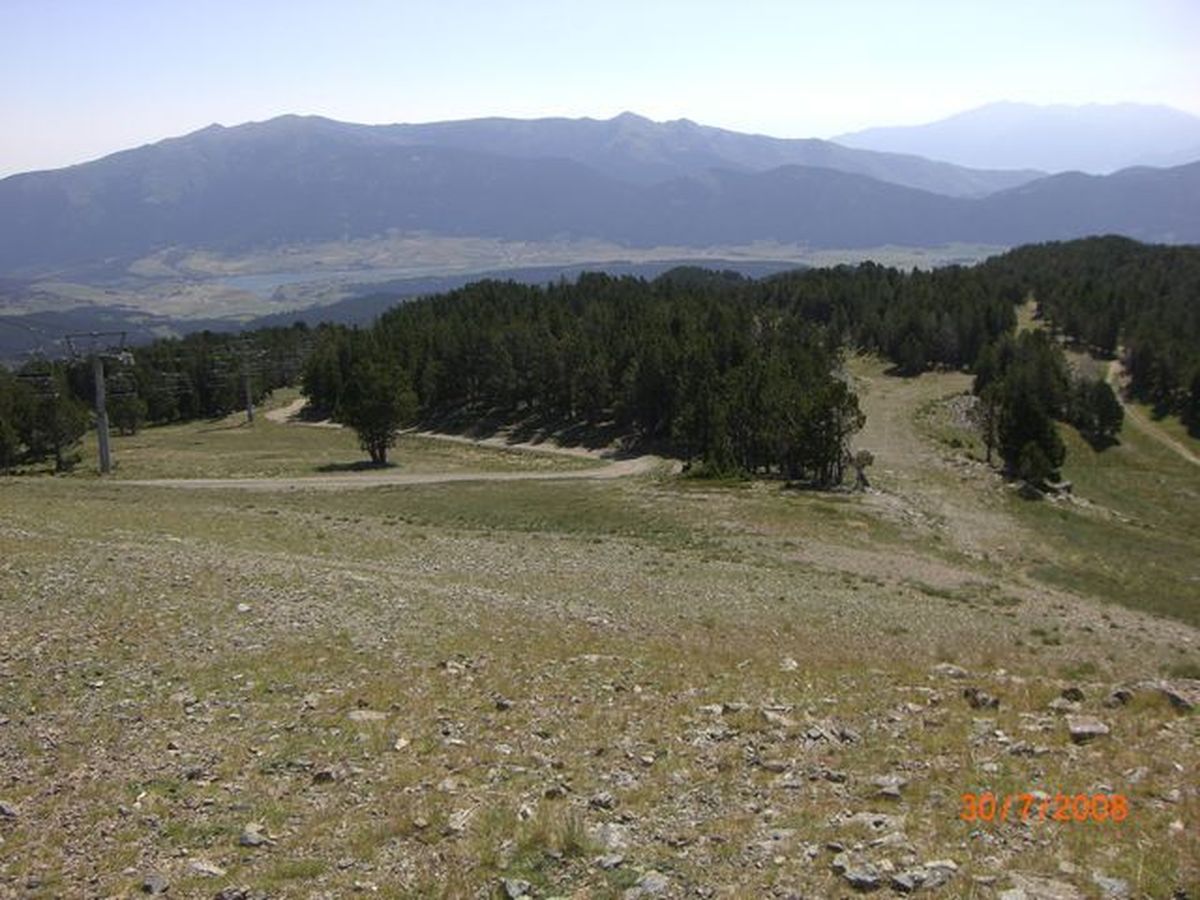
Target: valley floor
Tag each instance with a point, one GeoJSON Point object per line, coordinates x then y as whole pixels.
{"type": "Point", "coordinates": [620, 687]}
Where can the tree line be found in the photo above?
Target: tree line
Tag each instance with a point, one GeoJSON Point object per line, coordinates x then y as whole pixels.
{"type": "Point", "coordinates": [1113, 293]}
{"type": "Point", "coordinates": [45, 404]}
{"type": "Point", "coordinates": [731, 374]}
{"type": "Point", "coordinates": [1024, 385]}
{"type": "Point", "coordinates": [692, 363]}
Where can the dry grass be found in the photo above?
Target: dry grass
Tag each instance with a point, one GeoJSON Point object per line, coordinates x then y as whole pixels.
{"type": "Point", "coordinates": [730, 666]}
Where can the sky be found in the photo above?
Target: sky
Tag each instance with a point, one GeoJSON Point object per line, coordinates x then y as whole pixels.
{"type": "Point", "coordinates": [83, 78]}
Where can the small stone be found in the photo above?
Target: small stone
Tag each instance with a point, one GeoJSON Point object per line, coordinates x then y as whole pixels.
{"type": "Point", "coordinates": [401, 743]}
{"type": "Point", "coordinates": [1119, 697]}
{"type": "Point", "coordinates": [949, 670]}
{"type": "Point", "coordinates": [503, 703]}
{"type": "Point", "coordinates": [243, 607]}
{"type": "Point", "coordinates": [1085, 728]}
{"type": "Point", "coordinates": [1112, 888]}
{"type": "Point", "coordinates": [155, 883]}
{"type": "Point", "coordinates": [555, 792]}
{"type": "Point", "coordinates": [651, 885]}
{"type": "Point", "coordinates": [326, 775]}
{"type": "Point", "coordinates": [890, 786]}
{"type": "Point", "coordinates": [254, 835]}
{"type": "Point", "coordinates": [862, 877]}
{"type": "Point", "coordinates": [1183, 694]}
{"type": "Point", "coordinates": [206, 868]}
{"type": "Point", "coordinates": [778, 719]}
{"type": "Point", "coordinates": [1063, 706]}
{"type": "Point", "coordinates": [420, 823]}
{"type": "Point", "coordinates": [1029, 887]}
{"type": "Point", "coordinates": [515, 888]}
{"type": "Point", "coordinates": [7, 811]}
{"type": "Point", "coordinates": [610, 837]}
{"type": "Point", "coordinates": [980, 699]}
{"type": "Point", "coordinates": [788, 665]}
{"type": "Point", "coordinates": [363, 716]}
{"type": "Point", "coordinates": [1073, 694]}
{"type": "Point", "coordinates": [610, 861]}
{"type": "Point", "coordinates": [457, 823]}
{"type": "Point", "coordinates": [602, 800]}
{"type": "Point", "coordinates": [908, 881]}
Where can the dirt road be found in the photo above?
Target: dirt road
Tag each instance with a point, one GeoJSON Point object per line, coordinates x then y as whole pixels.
{"type": "Point", "coordinates": [1139, 420]}
{"type": "Point", "coordinates": [352, 480]}
{"type": "Point", "coordinates": [607, 467]}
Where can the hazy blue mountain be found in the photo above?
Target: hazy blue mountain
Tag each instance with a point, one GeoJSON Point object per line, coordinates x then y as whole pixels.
{"type": "Point", "coordinates": [1093, 138]}
{"type": "Point", "coordinates": [632, 148]}
{"type": "Point", "coordinates": [293, 180]}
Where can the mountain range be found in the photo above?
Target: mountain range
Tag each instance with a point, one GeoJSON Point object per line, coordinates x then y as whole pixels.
{"type": "Point", "coordinates": [295, 180]}
{"type": "Point", "coordinates": [1094, 138]}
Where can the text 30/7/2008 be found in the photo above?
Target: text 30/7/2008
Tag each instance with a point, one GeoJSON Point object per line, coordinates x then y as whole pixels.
{"type": "Point", "coordinates": [988, 807]}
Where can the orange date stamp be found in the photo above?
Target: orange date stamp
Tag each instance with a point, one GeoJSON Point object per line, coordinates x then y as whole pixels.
{"type": "Point", "coordinates": [990, 807]}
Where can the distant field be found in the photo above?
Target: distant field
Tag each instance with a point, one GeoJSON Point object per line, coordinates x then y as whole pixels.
{"type": "Point", "coordinates": [419, 691]}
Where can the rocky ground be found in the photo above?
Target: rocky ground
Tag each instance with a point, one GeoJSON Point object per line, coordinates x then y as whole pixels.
{"type": "Point", "coordinates": [627, 688]}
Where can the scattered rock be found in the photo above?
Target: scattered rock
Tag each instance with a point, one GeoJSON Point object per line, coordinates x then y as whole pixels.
{"type": "Point", "coordinates": [788, 665]}
{"type": "Point", "coordinates": [1085, 728]}
{"type": "Point", "coordinates": [602, 800]}
{"type": "Point", "coordinates": [908, 881]}
{"type": "Point", "coordinates": [503, 703]}
{"type": "Point", "coordinates": [254, 835]}
{"type": "Point", "coordinates": [1119, 697]}
{"type": "Point", "coordinates": [401, 743]}
{"type": "Point", "coordinates": [878, 822]}
{"type": "Point", "coordinates": [206, 868]}
{"type": "Point", "coordinates": [1029, 887]}
{"type": "Point", "coordinates": [1063, 706]}
{"type": "Point", "coordinates": [650, 884]}
{"type": "Point", "coordinates": [610, 837]}
{"type": "Point", "coordinates": [243, 607]}
{"type": "Point", "coordinates": [7, 811]}
{"type": "Point", "coordinates": [1072, 694]}
{"type": "Point", "coordinates": [1112, 888]}
{"type": "Point", "coordinates": [515, 888]}
{"type": "Point", "coordinates": [774, 717]}
{"type": "Point", "coordinates": [949, 670]}
{"type": "Point", "coordinates": [1183, 694]}
{"type": "Point", "coordinates": [366, 715]}
{"type": "Point", "coordinates": [457, 823]}
{"type": "Point", "coordinates": [155, 883]}
{"type": "Point", "coordinates": [980, 699]}
{"type": "Point", "coordinates": [327, 775]}
{"type": "Point", "coordinates": [890, 785]}
{"type": "Point", "coordinates": [862, 876]}
{"type": "Point", "coordinates": [610, 861]}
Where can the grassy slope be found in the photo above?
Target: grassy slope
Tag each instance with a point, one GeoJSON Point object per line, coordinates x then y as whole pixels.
{"type": "Point", "coordinates": [177, 664]}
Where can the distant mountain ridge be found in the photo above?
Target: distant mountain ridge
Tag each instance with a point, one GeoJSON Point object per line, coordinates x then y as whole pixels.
{"type": "Point", "coordinates": [632, 148]}
{"type": "Point", "coordinates": [294, 180]}
{"type": "Point", "coordinates": [1094, 138]}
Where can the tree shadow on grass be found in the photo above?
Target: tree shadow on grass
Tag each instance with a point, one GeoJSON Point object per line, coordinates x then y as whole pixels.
{"type": "Point", "coordinates": [359, 465]}
{"type": "Point", "coordinates": [535, 429]}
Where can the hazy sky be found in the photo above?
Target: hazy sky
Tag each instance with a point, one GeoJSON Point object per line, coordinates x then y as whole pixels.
{"type": "Point", "coordinates": [81, 78]}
